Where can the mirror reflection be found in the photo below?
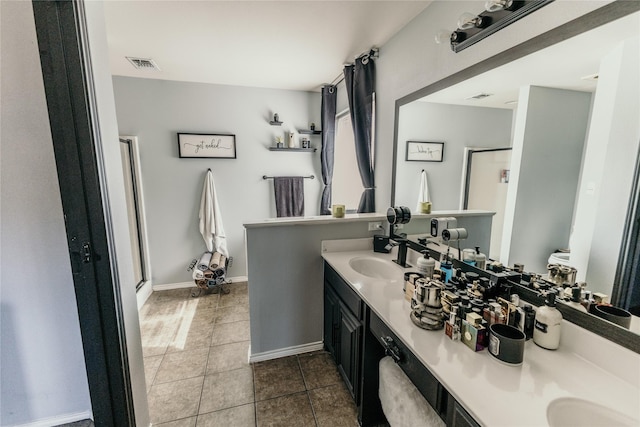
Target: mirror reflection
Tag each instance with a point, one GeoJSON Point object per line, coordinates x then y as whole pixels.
{"type": "Point", "coordinates": [549, 142]}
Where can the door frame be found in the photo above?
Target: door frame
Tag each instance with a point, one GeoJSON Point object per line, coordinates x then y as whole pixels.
{"type": "Point", "coordinates": [66, 69]}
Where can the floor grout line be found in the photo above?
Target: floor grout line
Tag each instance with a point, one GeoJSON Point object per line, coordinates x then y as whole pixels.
{"type": "Point", "coordinates": [306, 387]}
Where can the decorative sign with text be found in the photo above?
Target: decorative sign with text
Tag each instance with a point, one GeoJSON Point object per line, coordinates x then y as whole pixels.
{"type": "Point", "coordinates": [215, 146]}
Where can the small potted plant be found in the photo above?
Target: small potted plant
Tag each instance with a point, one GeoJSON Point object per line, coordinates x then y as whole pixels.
{"type": "Point", "coordinates": [279, 143]}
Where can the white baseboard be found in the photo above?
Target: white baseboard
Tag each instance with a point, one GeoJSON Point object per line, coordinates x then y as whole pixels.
{"type": "Point", "coordinates": [289, 351]}
{"type": "Point", "coordinates": [169, 286]}
{"type": "Point", "coordinates": [143, 294]}
{"type": "Point", "coordinates": [60, 419]}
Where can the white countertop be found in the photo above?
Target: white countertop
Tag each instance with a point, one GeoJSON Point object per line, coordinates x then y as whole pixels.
{"type": "Point", "coordinates": [494, 393]}
{"type": "Point", "coordinates": [328, 219]}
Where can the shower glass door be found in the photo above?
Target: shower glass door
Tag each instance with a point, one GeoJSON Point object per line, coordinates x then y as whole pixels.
{"type": "Point", "coordinates": [133, 211]}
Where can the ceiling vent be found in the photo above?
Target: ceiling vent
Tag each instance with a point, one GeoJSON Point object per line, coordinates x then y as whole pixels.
{"type": "Point", "coordinates": [143, 63]}
{"type": "Point", "coordinates": [480, 96]}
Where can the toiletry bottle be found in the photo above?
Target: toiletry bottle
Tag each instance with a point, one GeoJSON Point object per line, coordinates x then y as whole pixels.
{"type": "Point", "coordinates": [481, 259]}
{"type": "Point", "coordinates": [426, 265]}
{"type": "Point", "coordinates": [447, 269]}
{"type": "Point", "coordinates": [576, 300]}
{"type": "Point", "coordinates": [529, 321]}
{"type": "Point", "coordinates": [548, 321]}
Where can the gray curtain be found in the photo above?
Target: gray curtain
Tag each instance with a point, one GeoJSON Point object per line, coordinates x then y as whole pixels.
{"type": "Point", "coordinates": [360, 82]}
{"type": "Point", "coordinates": [328, 127]}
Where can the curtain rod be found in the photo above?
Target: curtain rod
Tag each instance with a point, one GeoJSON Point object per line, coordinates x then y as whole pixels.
{"type": "Point", "coordinates": [271, 177]}
{"type": "Point", "coordinates": [373, 53]}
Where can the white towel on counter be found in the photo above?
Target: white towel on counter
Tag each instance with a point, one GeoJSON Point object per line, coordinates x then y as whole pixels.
{"type": "Point", "coordinates": [402, 403]}
{"type": "Point", "coordinates": [211, 226]}
{"type": "Point", "coordinates": [423, 194]}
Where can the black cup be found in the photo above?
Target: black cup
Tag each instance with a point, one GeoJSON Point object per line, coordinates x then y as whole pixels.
{"type": "Point", "coordinates": [506, 343]}
{"type": "Point", "coordinates": [613, 314]}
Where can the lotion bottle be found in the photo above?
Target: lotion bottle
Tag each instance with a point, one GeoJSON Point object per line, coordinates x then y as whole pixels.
{"type": "Point", "coordinates": [481, 259]}
{"type": "Point", "coordinates": [548, 321]}
{"type": "Point", "coordinates": [426, 265]}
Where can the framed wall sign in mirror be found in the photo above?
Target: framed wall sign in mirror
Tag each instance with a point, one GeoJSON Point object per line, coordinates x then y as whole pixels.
{"type": "Point", "coordinates": [418, 151]}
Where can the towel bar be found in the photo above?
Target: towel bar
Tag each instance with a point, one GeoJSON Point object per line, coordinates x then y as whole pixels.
{"type": "Point", "coordinates": [271, 177]}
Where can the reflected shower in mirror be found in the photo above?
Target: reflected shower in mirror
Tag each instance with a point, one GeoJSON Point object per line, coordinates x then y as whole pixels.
{"type": "Point", "coordinates": [569, 113]}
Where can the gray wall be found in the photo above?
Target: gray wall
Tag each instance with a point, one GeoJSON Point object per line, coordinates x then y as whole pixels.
{"type": "Point", "coordinates": [458, 127]}
{"type": "Point", "coordinates": [155, 110]}
{"type": "Point", "coordinates": [43, 373]}
{"type": "Point", "coordinates": [412, 60]}
{"type": "Point", "coordinates": [549, 136]}
{"type": "Point", "coordinates": [285, 289]}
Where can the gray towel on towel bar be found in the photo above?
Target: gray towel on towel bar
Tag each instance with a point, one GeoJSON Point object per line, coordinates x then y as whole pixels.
{"type": "Point", "coordinates": [289, 191]}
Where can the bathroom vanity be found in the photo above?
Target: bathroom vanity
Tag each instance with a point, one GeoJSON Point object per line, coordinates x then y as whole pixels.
{"type": "Point", "coordinates": [367, 316]}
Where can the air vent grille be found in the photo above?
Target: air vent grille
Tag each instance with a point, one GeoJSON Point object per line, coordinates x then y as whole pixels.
{"type": "Point", "coordinates": [480, 96]}
{"type": "Point", "coordinates": [143, 63]}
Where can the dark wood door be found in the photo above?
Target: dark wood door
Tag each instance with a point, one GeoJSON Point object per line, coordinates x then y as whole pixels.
{"type": "Point", "coordinates": [350, 337]}
{"type": "Point", "coordinates": [62, 41]}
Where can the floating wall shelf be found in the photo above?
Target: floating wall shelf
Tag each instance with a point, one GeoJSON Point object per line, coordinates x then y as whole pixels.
{"type": "Point", "coordinates": [310, 150]}
{"type": "Point", "coordinates": [272, 123]}
{"type": "Point", "coordinates": [309, 131]}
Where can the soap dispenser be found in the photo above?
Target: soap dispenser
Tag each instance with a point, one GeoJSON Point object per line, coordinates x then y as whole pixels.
{"type": "Point", "coordinates": [548, 321]}
{"type": "Point", "coordinates": [426, 264]}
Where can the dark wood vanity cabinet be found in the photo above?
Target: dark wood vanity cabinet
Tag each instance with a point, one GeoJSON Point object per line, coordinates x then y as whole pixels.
{"type": "Point", "coordinates": [343, 329]}
{"type": "Point", "coordinates": [457, 416]}
{"type": "Point", "coordinates": [357, 339]}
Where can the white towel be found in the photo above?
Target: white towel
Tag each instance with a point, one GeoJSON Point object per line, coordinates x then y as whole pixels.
{"type": "Point", "coordinates": [211, 226]}
{"type": "Point", "coordinates": [423, 194]}
{"type": "Point", "coordinates": [402, 403]}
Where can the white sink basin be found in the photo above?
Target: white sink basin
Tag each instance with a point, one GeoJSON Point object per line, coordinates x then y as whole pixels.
{"type": "Point", "coordinates": [376, 268]}
{"type": "Point", "coordinates": [569, 411]}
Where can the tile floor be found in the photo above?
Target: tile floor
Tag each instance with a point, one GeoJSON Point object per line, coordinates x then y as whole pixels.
{"type": "Point", "coordinates": [197, 370]}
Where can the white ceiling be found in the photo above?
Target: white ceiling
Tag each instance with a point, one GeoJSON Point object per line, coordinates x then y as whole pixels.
{"type": "Point", "coordinates": [562, 66]}
{"type": "Point", "coordinates": [297, 45]}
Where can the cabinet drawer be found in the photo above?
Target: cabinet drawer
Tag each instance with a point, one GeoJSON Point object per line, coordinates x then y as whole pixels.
{"type": "Point", "coordinates": [420, 376]}
{"type": "Point", "coordinates": [344, 291]}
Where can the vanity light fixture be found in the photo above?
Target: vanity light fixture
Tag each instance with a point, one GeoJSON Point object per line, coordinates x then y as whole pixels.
{"type": "Point", "coordinates": [497, 15]}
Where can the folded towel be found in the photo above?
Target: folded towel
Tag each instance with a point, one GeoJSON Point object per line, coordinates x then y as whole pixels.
{"type": "Point", "coordinates": [289, 192]}
{"type": "Point", "coordinates": [202, 283]}
{"type": "Point", "coordinates": [215, 261]}
{"type": "Point", "coordinates": [205, 259]}
{"type": "Point", "coordinates": [402, 403]}
{"type": "Point", "coordinates": [208, 274]}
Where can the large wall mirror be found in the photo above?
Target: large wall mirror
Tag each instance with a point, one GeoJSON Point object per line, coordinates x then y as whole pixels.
{"type": "Point", "coordinates": [565, 106]}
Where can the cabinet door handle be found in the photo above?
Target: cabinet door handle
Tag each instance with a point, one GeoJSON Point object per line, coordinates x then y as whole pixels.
{"type": "Point", "coordinates": [391, 349]}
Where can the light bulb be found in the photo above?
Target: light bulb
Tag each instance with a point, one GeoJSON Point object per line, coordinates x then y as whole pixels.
{"type": "Point", "coordinates": [469, 20]}
{"type": "Point", "coordinates": [443, 36]}
{"type": "Point", "coordinates": [496, 5]}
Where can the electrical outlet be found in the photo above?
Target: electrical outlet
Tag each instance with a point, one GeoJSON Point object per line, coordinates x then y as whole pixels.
{"type": "Point", "coordinates": [375, 226]}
